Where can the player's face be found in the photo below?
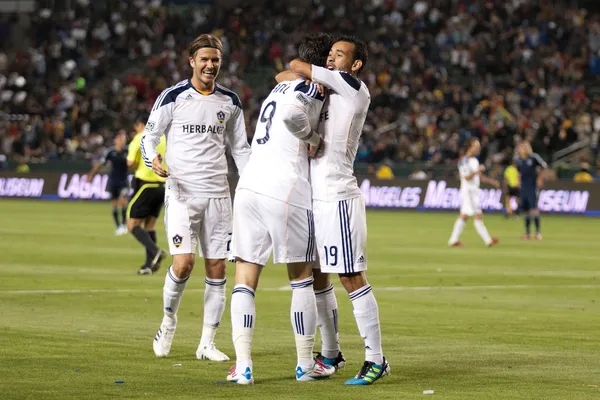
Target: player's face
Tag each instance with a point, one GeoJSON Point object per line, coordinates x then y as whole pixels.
{"type": "Point", "coordinates": [206, 65]}
{"type": "Point", "coordinates": [523, 152]}
{"type": "Point", "coordinates": [120, 140]}
{"type": "Point", "coordinates": [341, 58]}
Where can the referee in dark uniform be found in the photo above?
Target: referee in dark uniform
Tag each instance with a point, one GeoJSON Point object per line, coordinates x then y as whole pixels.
{"type": "Point", "coordinates": [146, 202]}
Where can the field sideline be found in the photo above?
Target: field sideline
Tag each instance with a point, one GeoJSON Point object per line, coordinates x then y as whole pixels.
{"type": "Point", "coordinates": [518, 321]}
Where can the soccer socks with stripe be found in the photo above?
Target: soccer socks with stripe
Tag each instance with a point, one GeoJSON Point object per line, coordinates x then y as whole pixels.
{"type": "Point", "coordinates": [366, 313]}
{"type": "Point", "coordinates": [172, 292]}
{"type": "Point", "coordinates": [482, 231]}
{"type": "Point", "coordinates": [145, 239]}
{"type": "Point", "coordinates": [459, 226]}
{"type": "Point", "coordinates": [115, 214]}
{"type": "Point", "coordinates": [327, 321]}
{"type": "Point", "coordinates": [303, 315]}
{"type": "Point", "coordinates": [527, 224]}
{"type": "Point", "coordinates": [243, 317]}
{"type": "Point", "coordinates": [124, 214]}
{"type": "Point", "coordinates": [214, 305]}
{"type": "Point", "coordinates": [536, 220]}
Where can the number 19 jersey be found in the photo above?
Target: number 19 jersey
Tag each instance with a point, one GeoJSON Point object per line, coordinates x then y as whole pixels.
{"type": "Point", "coordinates": [278, 166]}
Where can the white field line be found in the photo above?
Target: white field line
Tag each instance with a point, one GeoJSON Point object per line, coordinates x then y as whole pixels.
{"type": "Point", "coordinates": [287, 288]}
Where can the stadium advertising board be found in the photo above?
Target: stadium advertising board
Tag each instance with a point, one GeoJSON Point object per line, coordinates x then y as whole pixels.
{"type": "Point", "coordinates": [556, 197]}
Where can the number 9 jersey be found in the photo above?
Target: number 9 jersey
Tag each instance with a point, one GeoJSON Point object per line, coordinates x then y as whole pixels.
{"type": "Point", "coordinates": [278, 166]}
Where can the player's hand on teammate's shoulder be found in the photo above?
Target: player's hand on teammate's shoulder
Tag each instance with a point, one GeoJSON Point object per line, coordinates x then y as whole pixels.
{"type": "Point", "coordinates": [322, 89]}
{"type": "Point", "coordinates": [158, 168]}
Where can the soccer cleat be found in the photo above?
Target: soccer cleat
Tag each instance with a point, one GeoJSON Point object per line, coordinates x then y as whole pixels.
{"type": "Point", "coordinates": [317, 372]}
{"type": "Point", "coordinates": [121, 230]}
{"type": "Point", "coordinates": [525, 236]}
{"type": "Point", "coordinates": [155, 264]}
{"type": "Point", "coordinates": [494, 242]}
{"type": "Point", "coordinates": [538, 236]}
{"type": "Point", "coordinates": [338, 362]}
{"type": "Point", "coordinates": [241, 379]}
{"type": "Point", "coordinates": [369, 373]}
{"type": "Point", "coordinates": [211, 353]}
{"type": "Point", "coordinates": [457, 244]}
{"type": "Point", "coordinates": [163, 340]}
{"type": "Point", "coordinates": [144, 271]}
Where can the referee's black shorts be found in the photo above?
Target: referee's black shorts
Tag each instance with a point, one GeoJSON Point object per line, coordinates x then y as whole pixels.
{"type": "Point", "coordinates": [147, 199]}
{"type": "Point", "coordinates": [513, 191]}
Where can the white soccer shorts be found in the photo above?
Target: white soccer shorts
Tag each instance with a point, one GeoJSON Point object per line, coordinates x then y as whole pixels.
{"type": "Point", "coordinates": [341, 235]}
{"type": "Point", "coordinates": [203, 223]}
{"type": "Point", "coordinates": [469, 202]}
{"type": "Point", "coordinates": [263, 225]}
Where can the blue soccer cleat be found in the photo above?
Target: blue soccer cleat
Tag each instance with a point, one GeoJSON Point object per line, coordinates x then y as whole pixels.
{"type": "Point", "coordinates": [370, 372]}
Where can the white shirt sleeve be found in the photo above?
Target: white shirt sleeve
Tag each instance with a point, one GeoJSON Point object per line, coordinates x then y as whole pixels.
{"type": "Point", "coordinates": [157, 125]}
{"type": "Point", "coordinates": [297, 115]}
{"type": "Point", "coordinates": [238, 141]}
{"type": "Point", "coordinates": [342, 83]}
{"type": "Point", "coordinates": [473, 165]}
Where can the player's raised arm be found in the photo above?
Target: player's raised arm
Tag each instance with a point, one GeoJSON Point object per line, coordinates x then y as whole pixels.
{"type": "Point", "coordinates": [541, 164]}
{"type": "Point", "coordinates": [237, 139]}
{"type": "Point", "coordinates": [160, 118]}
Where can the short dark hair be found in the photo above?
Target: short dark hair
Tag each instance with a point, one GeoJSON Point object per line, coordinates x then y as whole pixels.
{"type": "Point", "coordinates": [202, 41]}
{"type": "Point", "coordinates": [361, 51]}
{"type": "Point", "coordinates": [315, 48]}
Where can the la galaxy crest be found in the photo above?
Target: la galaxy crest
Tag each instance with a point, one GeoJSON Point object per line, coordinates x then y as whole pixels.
{"type": "Point", "coordinates": [221, 116]}
{"type": "Point", "coordinates": [177, 240]}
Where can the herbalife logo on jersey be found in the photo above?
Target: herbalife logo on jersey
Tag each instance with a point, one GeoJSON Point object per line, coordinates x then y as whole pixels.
{"type": "Point", "coordinates": [217, 129]}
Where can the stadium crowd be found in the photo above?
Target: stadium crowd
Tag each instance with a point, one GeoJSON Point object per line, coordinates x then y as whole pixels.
{"type": "Point", "coordinates": [439, 72]}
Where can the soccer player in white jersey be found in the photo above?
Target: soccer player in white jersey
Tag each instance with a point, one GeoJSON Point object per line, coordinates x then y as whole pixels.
{"type": "Point", "coordinates": [272, 213]}
{"type": "Point", "coordinates": [199, 118]}
{"type": "Point", "coordinates": [470, 175]}
{"type": "Point", "coordinates": [338, 206]}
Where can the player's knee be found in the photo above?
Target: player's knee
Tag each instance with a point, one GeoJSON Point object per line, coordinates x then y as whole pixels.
{"type": "Point", "coordinates": [132, 223]}
{"type": "Point", "coordinates": [353, 281]}
{"type": "Point", "coordinates": [299, 271]}
{"type": "Point", "coordinates": [215, 269]}
{"type": "Point", "coordinates": [322, 280]}
{"type": "Point", "coordinates": [183, 264]}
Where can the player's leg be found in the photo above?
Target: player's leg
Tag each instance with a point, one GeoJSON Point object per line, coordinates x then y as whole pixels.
{"type": "Point", "coordinates": [139, 210]}
{"type": "Point", "coordinates": [327, 313]}
{"type": "Point", "coordinates": [478, 221]}
{"type": "Point", "coordinates": [182, 222]}
{"type": "Point", "coordinates": [251, 247]}
{"type": "Point", "coordinates": [214, 243]}
{"type": "Point", "coordinates": [535, 215]}
{"type": "Point", "coordinates": [526, 207]}
{"type": "Point", "coordinates": [466, 210]}
{"type": "Point", "coordinates": [122, 202]}
{"type": "Point", "coordinates": [341, 233]}
{"type": "Point", "coordinates": [114, 202]}
{"type": "Point", "coordinates": [507, 204]}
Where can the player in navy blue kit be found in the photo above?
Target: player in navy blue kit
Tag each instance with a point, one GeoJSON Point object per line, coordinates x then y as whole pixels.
{"type": "Point", "coordinates": [118, 183]}
{"type": "Point", "coordinates": [529, 165]}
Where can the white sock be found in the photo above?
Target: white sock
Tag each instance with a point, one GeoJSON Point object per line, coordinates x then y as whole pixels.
{"type": "Point", "coordinates": [172, 292]}
{"type": "Point", "coordinates": [243, 318]}
{"type": "Point", "coordinates": [214, 305]}
{"type": "Point", "coordinates": [459, 225]}
{"type": "Point", "coordinates": [327, 321]}
{"type": "Point", "coordinates": [482, 231]}
{"type": "Point", "coordinates": [303, 315]}
{"type": "Point", "coordinates": [366, 313]}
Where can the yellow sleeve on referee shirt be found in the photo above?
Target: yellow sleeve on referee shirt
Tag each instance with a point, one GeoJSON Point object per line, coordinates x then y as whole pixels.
{"type": "Point", "coordinates": [133, 152]}
{"type": "Point", "coordinates": [146, 174]}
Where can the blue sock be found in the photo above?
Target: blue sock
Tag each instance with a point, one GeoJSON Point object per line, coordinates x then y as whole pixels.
{"type": "Point", "coordinates": [536, 220]}
{"type": "Point", "coordinates": [527, 223]}
{"type": "Point", "coordinates": [115, 213]}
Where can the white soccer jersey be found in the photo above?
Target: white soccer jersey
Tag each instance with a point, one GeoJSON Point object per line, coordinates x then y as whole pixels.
{"type": "Point", "coordinates": [278, 166]}
{"type": "Point", "coordinates": [342, 120]}
{"type": "Point", "coordinates": [466, 166]}
{"type": "Point", "coordinates": [197, 128]}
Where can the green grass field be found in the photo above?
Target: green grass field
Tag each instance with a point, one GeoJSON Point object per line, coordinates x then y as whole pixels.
{"type": "Point", "coordinates": [518, 321]}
